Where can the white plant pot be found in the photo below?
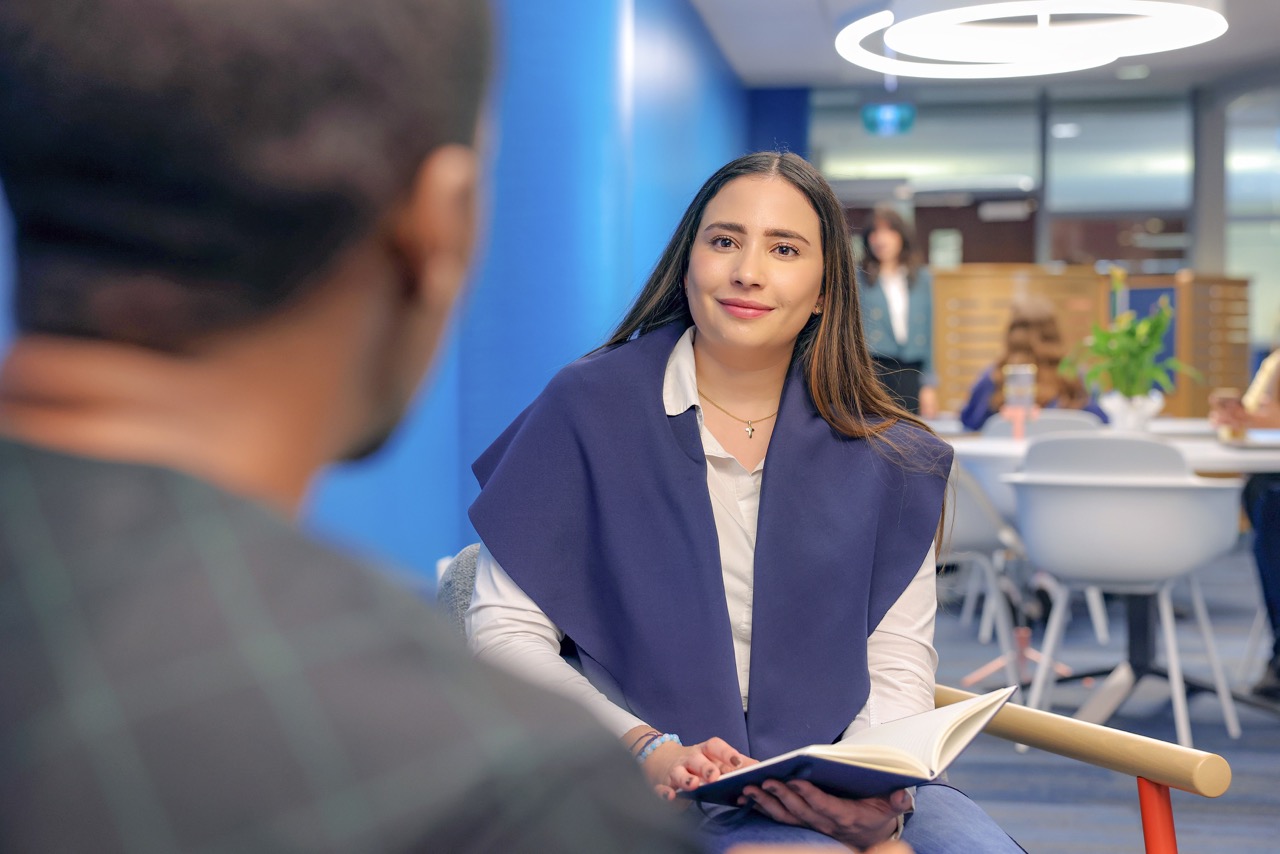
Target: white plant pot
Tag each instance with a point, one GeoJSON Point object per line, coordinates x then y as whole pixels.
{"type": "Point", "coordinates": [1131, 413]}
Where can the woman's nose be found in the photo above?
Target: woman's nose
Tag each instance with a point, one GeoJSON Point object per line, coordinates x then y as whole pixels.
{"type": "Point", "coordinates": [749, 269]}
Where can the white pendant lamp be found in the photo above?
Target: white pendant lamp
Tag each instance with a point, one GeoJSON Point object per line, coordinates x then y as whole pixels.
{"type": "Point", "coordinates": [952, 39]}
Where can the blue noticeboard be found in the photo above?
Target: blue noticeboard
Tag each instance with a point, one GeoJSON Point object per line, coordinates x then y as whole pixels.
{"type": "Point", "coordinates": [1143, 301]}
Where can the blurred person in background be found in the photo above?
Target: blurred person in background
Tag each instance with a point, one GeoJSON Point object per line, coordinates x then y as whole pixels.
{"type": "Point", "coordinates": [240, 227]}
{"type": "Point", "coordinates": [1259, 408]}
{"type": "Point", "coordinates": [896, 291]}
{"type": "Point", "coordinates": [1031, 338]}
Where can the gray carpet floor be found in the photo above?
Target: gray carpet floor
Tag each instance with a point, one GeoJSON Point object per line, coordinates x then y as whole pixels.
{"type": "Point", "coordinates": [1051, 804]}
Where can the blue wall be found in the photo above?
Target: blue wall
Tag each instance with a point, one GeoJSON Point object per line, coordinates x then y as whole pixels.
{"type": "Point", "coordinates": [609, 115]}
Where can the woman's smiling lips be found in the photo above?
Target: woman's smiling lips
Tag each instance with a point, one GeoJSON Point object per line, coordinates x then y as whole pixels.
{"type": "Point", "coordinates": [744, 308]}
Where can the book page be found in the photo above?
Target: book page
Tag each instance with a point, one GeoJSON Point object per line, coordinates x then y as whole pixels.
{"type": "Point", "coordinates": [933, 738]}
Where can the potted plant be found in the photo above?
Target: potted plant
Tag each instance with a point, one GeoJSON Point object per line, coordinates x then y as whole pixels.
{"type": "Point", "coordinates": [1123, 361]}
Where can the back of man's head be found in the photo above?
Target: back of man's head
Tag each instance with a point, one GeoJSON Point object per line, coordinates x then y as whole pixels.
{"type": "Point", "coordinates": [177, 167]}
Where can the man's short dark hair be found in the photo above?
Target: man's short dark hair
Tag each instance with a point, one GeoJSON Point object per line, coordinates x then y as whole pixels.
{"type": "Point", "coordinates": [180, 166]}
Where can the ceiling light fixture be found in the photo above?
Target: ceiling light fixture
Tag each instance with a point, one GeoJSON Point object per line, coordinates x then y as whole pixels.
{"type": "Point", "coordinates": [967, 41]}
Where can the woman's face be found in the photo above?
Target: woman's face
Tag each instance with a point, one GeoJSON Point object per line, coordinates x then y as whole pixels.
{"type": "Point", "coordinates": [755, 269]}
{"type": "Point", "coordinates": [885, 243]}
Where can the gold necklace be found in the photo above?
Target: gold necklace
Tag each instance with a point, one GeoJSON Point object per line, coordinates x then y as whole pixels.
{"type": "Point", "coordinates": [750, 428]}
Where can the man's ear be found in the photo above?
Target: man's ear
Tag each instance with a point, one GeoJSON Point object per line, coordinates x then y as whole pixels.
{"type": "Point", "coordinates": [435, 230]}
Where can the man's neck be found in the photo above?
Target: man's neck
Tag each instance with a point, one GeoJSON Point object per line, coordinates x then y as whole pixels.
{"type": "Point", "coordinates": [128, 404]}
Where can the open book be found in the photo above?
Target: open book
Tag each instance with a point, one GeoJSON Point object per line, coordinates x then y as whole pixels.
{"type": "Point", "coordinates": [876, 761]}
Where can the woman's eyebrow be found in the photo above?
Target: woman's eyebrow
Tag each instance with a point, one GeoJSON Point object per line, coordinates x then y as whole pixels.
{"type": "Point", "coordinates": [738, 228]}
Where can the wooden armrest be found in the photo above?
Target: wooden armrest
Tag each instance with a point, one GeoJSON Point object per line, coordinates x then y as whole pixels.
{"type": "Point", "coordinates": [1172, 765]}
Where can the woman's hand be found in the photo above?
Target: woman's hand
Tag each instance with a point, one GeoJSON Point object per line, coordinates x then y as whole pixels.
{"type": "Point", "coordinates": [1226, 410]}
{"type": "Point", "coordinates": [673, 768]}
{"type": "Point", "coordinates": [860, 823]}
{"type": "Point", "coordinates": [1229, 412]}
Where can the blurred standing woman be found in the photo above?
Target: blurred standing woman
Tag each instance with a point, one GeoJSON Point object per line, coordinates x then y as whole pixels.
{"type": "Point", "coordinates": [896, 291]}
{"type": "Point", "coordinates": [727, 521]}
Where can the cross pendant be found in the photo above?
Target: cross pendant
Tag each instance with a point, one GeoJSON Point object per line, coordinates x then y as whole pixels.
{"type": "Point", "coordinates": [750, 430]}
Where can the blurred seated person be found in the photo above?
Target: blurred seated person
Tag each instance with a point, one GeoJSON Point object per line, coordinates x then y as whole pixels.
{"type": "Point", "coordinates": [1032, 338]}
{"type": "Point", "coordinates": [1259, 408]}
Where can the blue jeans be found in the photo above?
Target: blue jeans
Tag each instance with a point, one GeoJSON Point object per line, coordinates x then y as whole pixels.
{"type": "Point", "coordinates": [945, 821]}
{"type": "Point", "coordinates": [1262, 503]}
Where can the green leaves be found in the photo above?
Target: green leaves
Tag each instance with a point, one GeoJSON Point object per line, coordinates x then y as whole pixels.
{"type": "Point", "coordinates": [1124, 357]}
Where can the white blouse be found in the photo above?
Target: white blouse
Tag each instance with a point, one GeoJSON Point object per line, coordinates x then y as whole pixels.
{"type": "Point", "coordinates": [897, 296]}
{"type": "Point", "coordinates": [506, 627]}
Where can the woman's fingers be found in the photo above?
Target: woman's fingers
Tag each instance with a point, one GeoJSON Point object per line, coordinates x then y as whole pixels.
{"type": "Point", "coordinates": [767, 801]}
{"type": "Point", "coordinates": [690, 774]}
{"type": "Point", "coordinates": [726, 757]}
{"type": "Point", "coordinates": [795, 797]}
{"type": "Point", "coordinates": [704, 768]}
{"type": "Point", "coordinates": [857, 822]}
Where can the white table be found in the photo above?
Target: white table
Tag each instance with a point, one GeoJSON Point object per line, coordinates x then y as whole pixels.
{"type": "Point", "coordinates": [988, 458]}
{"type": "Point", "coordinates": [1181, 427]}
{"type": "Point", "coordinates": [1206, 455]}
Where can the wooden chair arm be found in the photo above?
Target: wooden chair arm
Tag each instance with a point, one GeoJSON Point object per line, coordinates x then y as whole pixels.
{"type": "Point", "coordinates": [1172, 765]}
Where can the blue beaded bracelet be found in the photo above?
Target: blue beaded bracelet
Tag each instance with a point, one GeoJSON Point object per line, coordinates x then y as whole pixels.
{"type": "Point", "coordinates": [655, 744]}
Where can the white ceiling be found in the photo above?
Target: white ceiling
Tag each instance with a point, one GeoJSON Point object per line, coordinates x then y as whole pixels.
{"type": "Point", "coordinates": [790, 43]}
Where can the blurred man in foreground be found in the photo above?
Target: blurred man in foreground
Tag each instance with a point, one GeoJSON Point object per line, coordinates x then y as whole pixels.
{"type": "Point", "coordinates": [240, 227]}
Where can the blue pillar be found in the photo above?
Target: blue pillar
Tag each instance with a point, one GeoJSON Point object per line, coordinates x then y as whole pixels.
{"type": "Point", "coordinates": [778, 120]}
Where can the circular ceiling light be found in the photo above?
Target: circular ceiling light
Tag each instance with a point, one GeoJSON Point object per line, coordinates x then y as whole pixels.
{"type": "Point", "coordinates": [987, 40]}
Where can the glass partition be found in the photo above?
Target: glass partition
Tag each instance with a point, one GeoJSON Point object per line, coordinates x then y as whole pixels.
{"type": "Point", "coordinates": [944, 148]}
{"type": "Point", "coordinates": [1253, 208]}
{"type": "Point", "coordinates": [1119, 156]}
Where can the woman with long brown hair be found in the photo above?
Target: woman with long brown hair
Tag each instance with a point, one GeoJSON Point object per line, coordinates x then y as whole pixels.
{"type": "Point", "coordinates": [896, 291]}
{"type": "Point", "coordinates": [1032, 337]}
{"type": "Point", "coordinates": [723, 518]}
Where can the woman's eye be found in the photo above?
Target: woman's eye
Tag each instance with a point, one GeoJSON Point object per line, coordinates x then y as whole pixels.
{"type": "Point", "coordinates": [722, 242]}
{"type": "Point", "coordinates": [787, 250]}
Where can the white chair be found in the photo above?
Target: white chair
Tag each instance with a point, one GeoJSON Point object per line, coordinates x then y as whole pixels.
{"type": "Point", "coordinates": [1125, 513]}
{"type": "Point", "coordinates": [978, 537]}
{"type": "Point", "coordinates": [1043, 422]}
{"type": "Point", "coordinates": [1258, 632]}
{"type": "Point", "coordinates": [990, 476]}
{"type": "Point", "coordinates": [455, 582]}
{"type": "Point", "coordinates": [1047, 421]}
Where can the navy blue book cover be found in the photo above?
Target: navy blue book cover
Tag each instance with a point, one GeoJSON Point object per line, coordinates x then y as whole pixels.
{"type": "Point", "coordinates": [837, 778]}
